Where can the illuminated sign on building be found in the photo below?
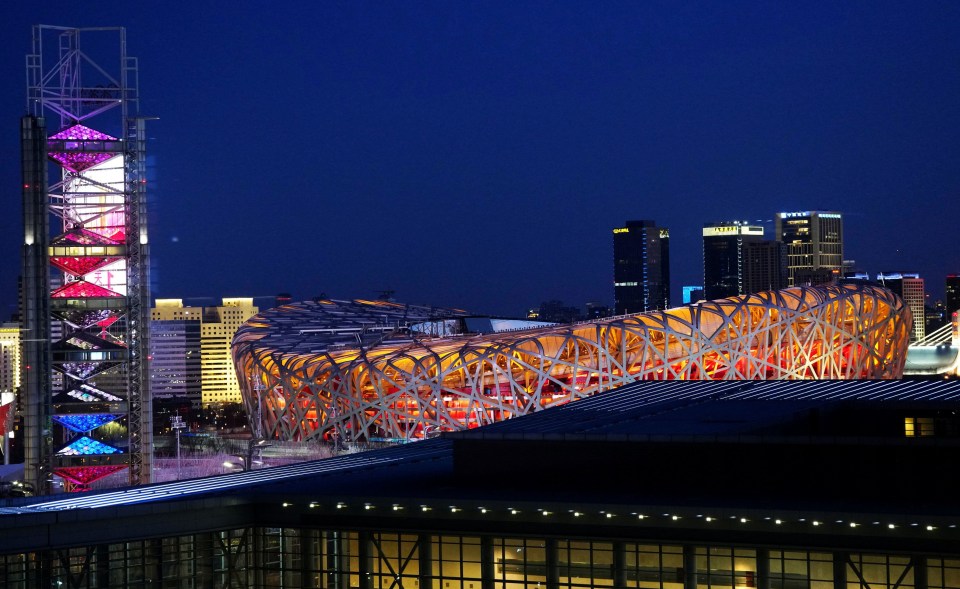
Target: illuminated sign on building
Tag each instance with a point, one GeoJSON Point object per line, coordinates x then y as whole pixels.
{"type": "Point", "coordinates": [721, 230]}
{"type": "Point", "coordinates": [622, 230]}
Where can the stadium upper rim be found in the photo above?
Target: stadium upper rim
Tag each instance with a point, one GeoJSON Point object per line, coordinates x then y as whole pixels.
{"type": "Point", "coordinates": [370, 369]}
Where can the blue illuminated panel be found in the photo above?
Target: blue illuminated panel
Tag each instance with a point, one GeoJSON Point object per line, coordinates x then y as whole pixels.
{"type": "Point", "coordinates": [84, 423]}
{"type": "Point", "coordinates": [84, 446]}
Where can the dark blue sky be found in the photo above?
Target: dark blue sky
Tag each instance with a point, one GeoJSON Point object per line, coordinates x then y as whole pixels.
{"type": "Point", "coordinates": [478, 154]}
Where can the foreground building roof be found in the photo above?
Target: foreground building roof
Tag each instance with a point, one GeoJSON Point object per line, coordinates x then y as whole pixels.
{"type": "Point", "coordinates": [412, 385]}
{"type": "Point", "coordinates": [827, 467]}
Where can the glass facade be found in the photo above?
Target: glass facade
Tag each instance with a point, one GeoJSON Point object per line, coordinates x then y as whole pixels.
{"type": "Point", "coordinates": [274, 558]}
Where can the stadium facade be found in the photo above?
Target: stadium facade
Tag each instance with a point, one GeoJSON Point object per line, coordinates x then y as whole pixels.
{"type": "Point", "coordinates": [416, 380]}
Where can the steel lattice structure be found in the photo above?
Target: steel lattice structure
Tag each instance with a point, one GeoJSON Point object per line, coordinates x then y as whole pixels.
{"type": "Point", "coordinates": [86, 283]}
{"type": "Point", "coordinates": [413, 389]}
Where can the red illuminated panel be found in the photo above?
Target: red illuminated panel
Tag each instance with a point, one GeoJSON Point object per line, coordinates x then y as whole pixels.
{"type": "Point", "coordinates": [81, 289]}
{"type": "Point", "coordinates": [78, 266]}
{"type": "Point", "coordinates": [84, 475]}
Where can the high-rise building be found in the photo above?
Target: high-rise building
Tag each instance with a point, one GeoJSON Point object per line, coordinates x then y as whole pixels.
{"type": "Point", "coordinates": [909, 287]}
{"type": "Point", "coordinates": [85, 231]}
{"type": "Point", "coordinates": [216, 363]}
{"type": "Point", "coordinates": [952, 294]}
{"type": "Point", "coordinates": [641, 267]}
{"type": "Point", "coordinates": [190, 350]}
{"type": "Point", "coordinates": [814, 241]}
{"type": "Point", "coordinates": [723, 257]}
{"type": "Point", "coordinates": [175, 370]}
{"type": "Point", "coordinates": [9, 357]}
{"type": "Point", "coordinates": [764, 266]}
{"type": "Point", "coordinates": [738, 261]}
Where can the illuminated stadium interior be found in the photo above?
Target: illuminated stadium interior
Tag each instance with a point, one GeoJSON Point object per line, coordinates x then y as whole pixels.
{"type": "Point", "coordinates": [371, 370]}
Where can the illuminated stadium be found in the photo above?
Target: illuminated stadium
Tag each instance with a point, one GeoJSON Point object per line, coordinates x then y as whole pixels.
{"type": "Point", "coordinates": [375, 370]}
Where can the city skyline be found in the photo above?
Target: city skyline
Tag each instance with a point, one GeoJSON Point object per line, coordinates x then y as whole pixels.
{"type": "Point", "coordinates": [368, 147]}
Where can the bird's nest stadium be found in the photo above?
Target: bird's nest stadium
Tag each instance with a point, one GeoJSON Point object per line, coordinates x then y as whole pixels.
{"type": "Point", "coordinates": [375, 370]}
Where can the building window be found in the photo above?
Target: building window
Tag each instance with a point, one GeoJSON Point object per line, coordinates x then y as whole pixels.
{"type": "Point", "coordinates": [914, 427]}
{"type": "Point", "coordinates": [585, 564]}
{"type": "Point", "coordinates": [943, 573]}
{"type": "Point", "coordinates": [654, 566]}
{"type": "Point", "coordinates": [801, 570]}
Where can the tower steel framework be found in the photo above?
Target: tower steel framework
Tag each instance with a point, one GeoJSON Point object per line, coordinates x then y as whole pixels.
{"type": "Point", "coordinates": [85, 291]}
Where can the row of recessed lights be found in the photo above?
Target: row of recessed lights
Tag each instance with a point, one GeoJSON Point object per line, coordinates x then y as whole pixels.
{"type": "Point", "coordinates": [641, 516]}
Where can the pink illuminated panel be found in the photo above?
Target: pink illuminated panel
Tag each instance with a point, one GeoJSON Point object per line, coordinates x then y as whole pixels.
{"type": "Point", "coordinates": [78, 161]}
{"type": "Point", "coordinates": [80, 148]}
{"type": "Point", "coordinates": [82, 133]}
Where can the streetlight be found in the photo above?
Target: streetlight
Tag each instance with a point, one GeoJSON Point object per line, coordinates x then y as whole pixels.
{"type": "Point", "coordinates": [176, 422]}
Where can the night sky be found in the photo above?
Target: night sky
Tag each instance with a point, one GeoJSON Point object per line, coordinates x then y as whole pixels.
{"type": "Point", "coordinates": [477, 155]}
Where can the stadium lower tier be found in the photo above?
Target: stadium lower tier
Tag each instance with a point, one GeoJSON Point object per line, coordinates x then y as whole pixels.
{"type": "Point", "coordinates": [303, 383]}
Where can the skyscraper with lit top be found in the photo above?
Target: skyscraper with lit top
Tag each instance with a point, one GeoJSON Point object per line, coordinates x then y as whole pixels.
{"type": "Point", "coordinates": [641, 267]}
{"type": "Point", "coordinates": [814, 241]}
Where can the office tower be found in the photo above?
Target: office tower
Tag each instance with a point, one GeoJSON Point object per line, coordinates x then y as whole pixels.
{"type": "Point", "coordinates": [723, 257]}
{"type": "Point", "coordinates": [764, 266]}
{"type": "Point", "coordinates": [737, 260]}
{"type": "Point", "coordinates": [909, 287]}
{"type": "Point", "coordinates": [191, 350]}
{"type": "Point", "coordinates": [175, 371]}
{"type": "Point", "coordinates": [85, 230]}
{"type": "Point", "coordinates": [641, 267]}
{"type": "Point", "coordinates": [216, 364]}
{"type": "Point", "coordinates": [814, 241]}
{"type": "Point", "coordinates": [952, 295]}
{"type": "Point", "coordinates": [9, 357]}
